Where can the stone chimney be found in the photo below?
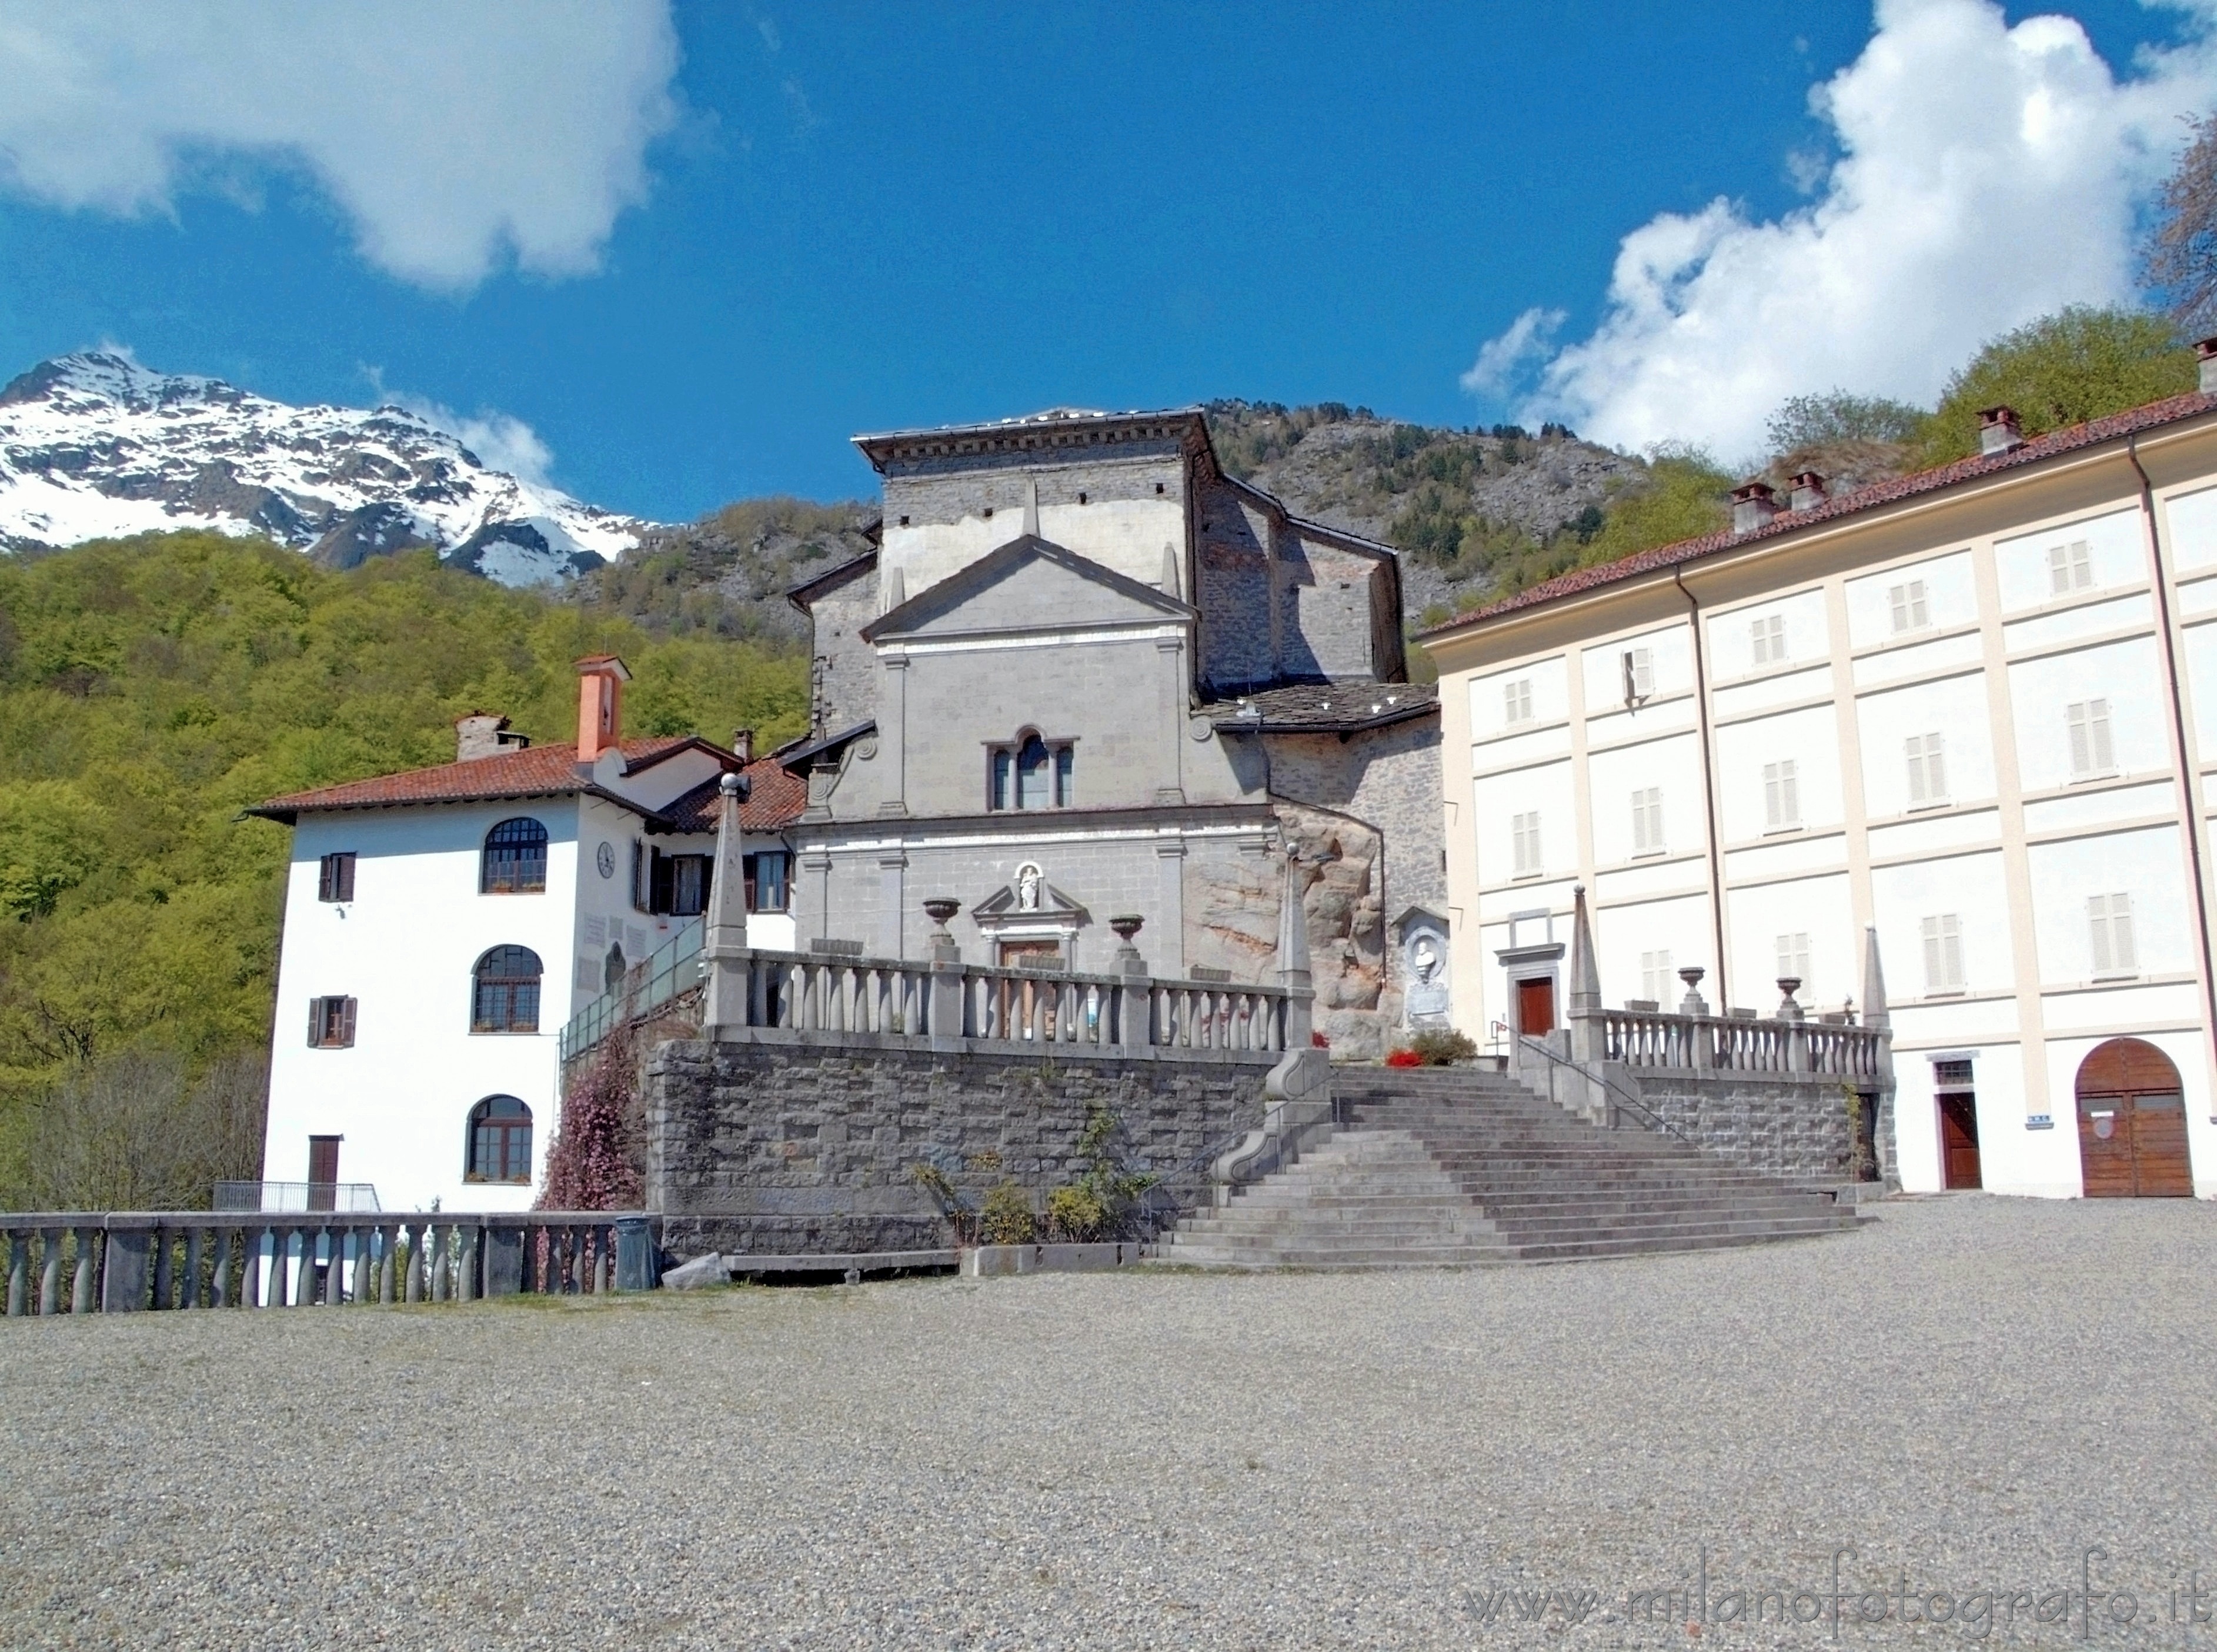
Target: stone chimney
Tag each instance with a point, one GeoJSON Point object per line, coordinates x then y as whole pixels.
{"type": "Point", "coordinates": [601, 678]}
{"type": "Point", "coordinates": [743, 744]}
{"type": "Point", "coordinates": [2205, 358]}
{"type": "Point", "coordinates": [1999, 431]}
{"type": "Point", "coordinates": [1753, 504]}
{"type": "Point", "coordinates": [1808, 491]}
{"type": "Point", "coordinates": [485, 735]}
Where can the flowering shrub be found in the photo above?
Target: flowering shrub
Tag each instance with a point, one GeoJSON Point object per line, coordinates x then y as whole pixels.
{"type": "Point", "coordinates": [1405, 1058]}
{"type": "Point", "coordinates": [1006, 1217]}
{"type": "Point", "coordinates": [591, 1165]}
{"type": "Point", "coordinates": [1319, 1041]}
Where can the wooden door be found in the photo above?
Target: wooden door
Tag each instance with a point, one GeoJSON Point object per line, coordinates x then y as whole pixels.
{"type": "Point", "coordinates": [323, 1171]}
{"type": "Point", "coordinates": [1959, 1142]}
{"type": "Point", "coordinates": [1024, 1001]}
{"type": "Point", "coordinates": [2132, 1124]}
{"type": "Point", "coordinates": [1535, 1006]}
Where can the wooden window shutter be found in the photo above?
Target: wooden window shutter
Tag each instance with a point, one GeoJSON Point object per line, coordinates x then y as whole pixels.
{"type": "Point", "coordinates": [346, 1023]}
{"type": "Point", "coordinates": [315, 1023]}
{"type": "Point", "coordinates": [639, 891]}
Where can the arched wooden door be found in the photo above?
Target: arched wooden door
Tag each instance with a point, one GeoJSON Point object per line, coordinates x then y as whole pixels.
{"type": "Point", "coordinates": [2132, 1124]}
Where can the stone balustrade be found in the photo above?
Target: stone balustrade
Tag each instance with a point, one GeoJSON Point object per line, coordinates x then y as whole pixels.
{"type": "Point", "coordinates": [1650, 1039]}
{"type": "Point", "coordinates": [122, 1262]}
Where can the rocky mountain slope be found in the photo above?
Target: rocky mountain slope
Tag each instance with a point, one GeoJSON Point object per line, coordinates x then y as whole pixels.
{"type": "Point", "coordinates": [95, 446]}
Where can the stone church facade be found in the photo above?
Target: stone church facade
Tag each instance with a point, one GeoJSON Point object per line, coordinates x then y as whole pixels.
{"type": "Point", "coordinates": [1086, 675]}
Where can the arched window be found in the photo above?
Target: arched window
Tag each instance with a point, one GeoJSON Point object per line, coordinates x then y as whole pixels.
{"type": "Point", "coordinates": [1032, 773]}
{"type": "Point", "coordinates": [514, 859]}
{"type": "Point", "coordinates": [507, 995]}
{"type": "Point", "coordinates": [500, 1141]}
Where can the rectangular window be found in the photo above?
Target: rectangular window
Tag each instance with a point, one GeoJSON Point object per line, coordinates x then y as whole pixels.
{"type": "Point", "coordinates": [1928, 770]}
{"type": "Point", "coordinates": [1793, 957]}
{"type": "Point", "coordinates": [1639, 675]}
{"type": "Point", "coordinates": [2091, 754]}
{"type": "Point", "coordinates": [1951, 1076]}
{"type": "Point", "coordinates": [335, 879]}
{"type": "Point", "coordinates": [688, 885]}
{"type": "Point", "coordinates": [1516, 701]}
{"type": "Point", "coordinates": [1655, 977]}
{"type": "Point", "coordinates": [1766, 640]}
{"type": "Point", "coordinates": [767, 882]}
{"type": "Point", "coordinates": [1907, 601]}
{"type": "Point", "coordinates": [1647, 821]}
{"type": "Point", "coordinates": [1005, 767]}
{"type": "Point", "coordinates": [1524, 841]}
{"type": "Point", "coordinates": [1943, 953]}
{"type": "Point", "coordinates": [2110, 919]}
{"type": "Point", "coordinates": [642, 881]}
{"type": "Point", "coordinates": [2070, 567]}
{"type": "Point", "coordinates": [1064, 773]}
{"type": "Point", "coordinates": [331, 1022]}
{"type": "Point", "coordinates": [1782, 797]}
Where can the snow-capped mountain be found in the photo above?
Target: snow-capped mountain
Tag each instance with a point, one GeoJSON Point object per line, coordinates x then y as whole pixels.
{"type": "Point", "coordinates": [93, 446]}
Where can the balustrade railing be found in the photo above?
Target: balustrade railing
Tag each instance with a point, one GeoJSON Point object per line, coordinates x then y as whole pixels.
{"type": "Point", "coordinates": [1740, 1044]}
{"type": "Point", "coordinates": [833, 992]}
{"type": "Point", "coordinates": [122, 1262]}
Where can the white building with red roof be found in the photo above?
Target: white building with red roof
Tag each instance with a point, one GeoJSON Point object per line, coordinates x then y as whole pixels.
{"type": "Point", "coordinates": [442, 925]}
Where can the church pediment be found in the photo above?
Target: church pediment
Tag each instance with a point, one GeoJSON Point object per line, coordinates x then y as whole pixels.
{"type": "Point", "coordinates": [1028, 584]}
{"type": "Point", "coordinates": [1028, 899]}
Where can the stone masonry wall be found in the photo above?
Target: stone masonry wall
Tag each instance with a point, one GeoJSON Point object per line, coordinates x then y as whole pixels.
{"type": "Point", "coordinates": [792, 1148]}
{"type": "Point", "coordinates": [844, 686]}
{"type": "Point", "coordinates": [1796, 1129]}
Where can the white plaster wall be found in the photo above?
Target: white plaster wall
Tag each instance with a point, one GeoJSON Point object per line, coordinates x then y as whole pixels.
{"type": "Point", "coordinates": [1622, 934]}
{"type": "Point", "coordinates": [405, 948]}
{"type": "Point", "coordinates": [2145, 864]}
{"type": "Point", "coordinates": [1950, 599]}
{"type": "Point", "coordinates": [1955, 708]}
{"type": "Point", "coordinates": [1808, 738]}
{"type": "Point", "coordinates": [2115, 548]}
{"type": "Point", "coordinates": [2127, 674]}
{"type": "Point", "coordinates": [1669, 660]}
{"type": "Point", "coordinates": [2200, 664]}
{"type": "Point", "coordinates": [1975, 888]}
{"type": "Point", "coordinates": [1673, 767]}
{"type": "Point", "coordinates": [2192, 518]}
{"type": "Point", "coordinates": [1546, 789]}
{"type": "Point", "coordinates": [1730, 632]}
{"type": "Point", "coordinates": [2011, 1159]}
{"type": "Point", "coordinates": [1819, 907]}
{"type": "Point", "coordinates": [1550, 698]}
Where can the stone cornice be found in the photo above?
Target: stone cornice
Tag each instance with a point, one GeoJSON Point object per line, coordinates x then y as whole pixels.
{"type": "Point", "coordinates": [1056, 435]}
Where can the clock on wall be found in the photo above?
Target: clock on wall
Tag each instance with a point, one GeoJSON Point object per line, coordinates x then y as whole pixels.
{"type": "Point", "coordinates": [605, 858]}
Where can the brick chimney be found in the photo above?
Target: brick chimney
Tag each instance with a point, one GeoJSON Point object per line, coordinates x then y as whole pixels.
{"type": "Point", "coordinates": [1808, 490]}
{"type": "Point", "coordinates": [743, 744]}
{"type": "Point", "coordinates": [1999, 431]}
{"type": "Point", "coordinates": [601, 678]}
{"type": "Point", "coordinates": [2205, 358]}
{"type": "Point", "coordinates": [485, 735]}
{"type": "Point", "coordinates": [1753, 504]}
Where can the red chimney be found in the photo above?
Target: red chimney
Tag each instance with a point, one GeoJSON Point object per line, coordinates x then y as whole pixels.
{"type": "Point", "coordinates": [601, 678]}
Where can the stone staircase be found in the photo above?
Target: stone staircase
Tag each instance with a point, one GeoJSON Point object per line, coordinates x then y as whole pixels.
{"type": "Point", "coordinates": [1461, 1167]}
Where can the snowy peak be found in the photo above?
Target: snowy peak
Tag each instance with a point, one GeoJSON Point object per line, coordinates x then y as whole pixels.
{"type": "Point", "coordinates": [94, 445]}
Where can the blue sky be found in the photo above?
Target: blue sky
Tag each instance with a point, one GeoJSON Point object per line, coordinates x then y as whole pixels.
{"type": "Point", "coordinates": [837, 217]}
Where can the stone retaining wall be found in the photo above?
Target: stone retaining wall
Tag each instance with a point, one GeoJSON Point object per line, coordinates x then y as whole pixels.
{"type": "Point", "coordinates": [1793, 1128]}
{"type": "Point", "coordinates": [792, 1146]}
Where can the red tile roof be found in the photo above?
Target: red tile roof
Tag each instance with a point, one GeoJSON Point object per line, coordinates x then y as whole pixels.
{"type": "Point", "coordinates": [550, 771]}
{"type": "Point", "coordinates": [775, 801]}
{"type": "Point", "coordinates": [2068, 440]}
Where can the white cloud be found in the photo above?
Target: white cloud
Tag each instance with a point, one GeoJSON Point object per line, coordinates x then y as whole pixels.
{"type": "Point", "coordinates": [1494, 374]}
{"type": "Point", "coordinates": [501, 440]}
{"type": "Point", "coordinates": [1987, 175]}
{"type": "Point", "coordinates": [452, 133]}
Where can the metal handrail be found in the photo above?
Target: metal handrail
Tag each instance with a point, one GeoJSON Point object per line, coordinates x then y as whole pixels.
{"type": "Point", "coordinates": [1653, 1120]}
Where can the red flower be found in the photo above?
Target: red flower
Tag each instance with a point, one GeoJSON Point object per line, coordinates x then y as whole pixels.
{"type": "Point", "coordinates": [1405, 1058]}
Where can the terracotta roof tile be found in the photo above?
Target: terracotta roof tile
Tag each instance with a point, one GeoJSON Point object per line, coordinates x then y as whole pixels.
{"type": "Point", "coordinates": [2068, 440]}
{"type": "Point", "coordinates": [541, 771]}
{"type": "Point", "coordinates": [775, 801]}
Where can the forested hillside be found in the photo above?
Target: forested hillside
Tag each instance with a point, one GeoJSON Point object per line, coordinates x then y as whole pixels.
{"type": "Point", "coordinates": [151, 688]}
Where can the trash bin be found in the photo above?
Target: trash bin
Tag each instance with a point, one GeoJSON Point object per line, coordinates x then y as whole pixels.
{"type": "Point", "coordinates": [635, 1258]}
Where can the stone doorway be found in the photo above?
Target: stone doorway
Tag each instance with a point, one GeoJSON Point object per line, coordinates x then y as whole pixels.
{"type": "Point", "coordinates": [2132, 1124]}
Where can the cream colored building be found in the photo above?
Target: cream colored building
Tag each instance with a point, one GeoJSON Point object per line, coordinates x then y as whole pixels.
{"type": "Point", "coordinates": [1975, 709]}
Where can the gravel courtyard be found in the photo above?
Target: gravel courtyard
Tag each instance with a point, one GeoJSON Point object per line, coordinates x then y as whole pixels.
{"type": "Point", "coordinates": [1971, 1391]}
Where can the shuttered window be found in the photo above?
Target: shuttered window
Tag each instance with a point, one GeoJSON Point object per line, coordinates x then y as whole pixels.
{"type": "Point", "coordinates": [1782, 797]}
{"type": "Point", "coordinates": [2109, 921]}
{"type": "Point", "coordinates": [331, 1022]}
{"type": "Point", "coordinates": [334, 878]}
{"type": "Point", "coordinates": [2091, 754]}
{"type": "Point", "coordinates": [1943, 953]}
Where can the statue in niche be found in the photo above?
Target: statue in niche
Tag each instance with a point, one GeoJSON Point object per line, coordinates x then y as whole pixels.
{"type": "Point", "coordinates": [1425, 1002]}
{"type": "Point", "coordinates": [1029, 880]}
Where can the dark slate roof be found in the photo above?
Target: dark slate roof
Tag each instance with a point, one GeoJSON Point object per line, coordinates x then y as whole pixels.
{"type": "Point", "coordinates": [2093, 433]}
{"type": "Point", "coordinates": [1325, 708]}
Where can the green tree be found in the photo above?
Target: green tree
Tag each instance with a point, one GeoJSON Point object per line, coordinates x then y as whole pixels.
{"type": "Point", "coordinates": [2079, 364]}
{"type": "Point", "coordinates": [1688, 494]}
{"type": "Point", "coordinates": [1836, 416]}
